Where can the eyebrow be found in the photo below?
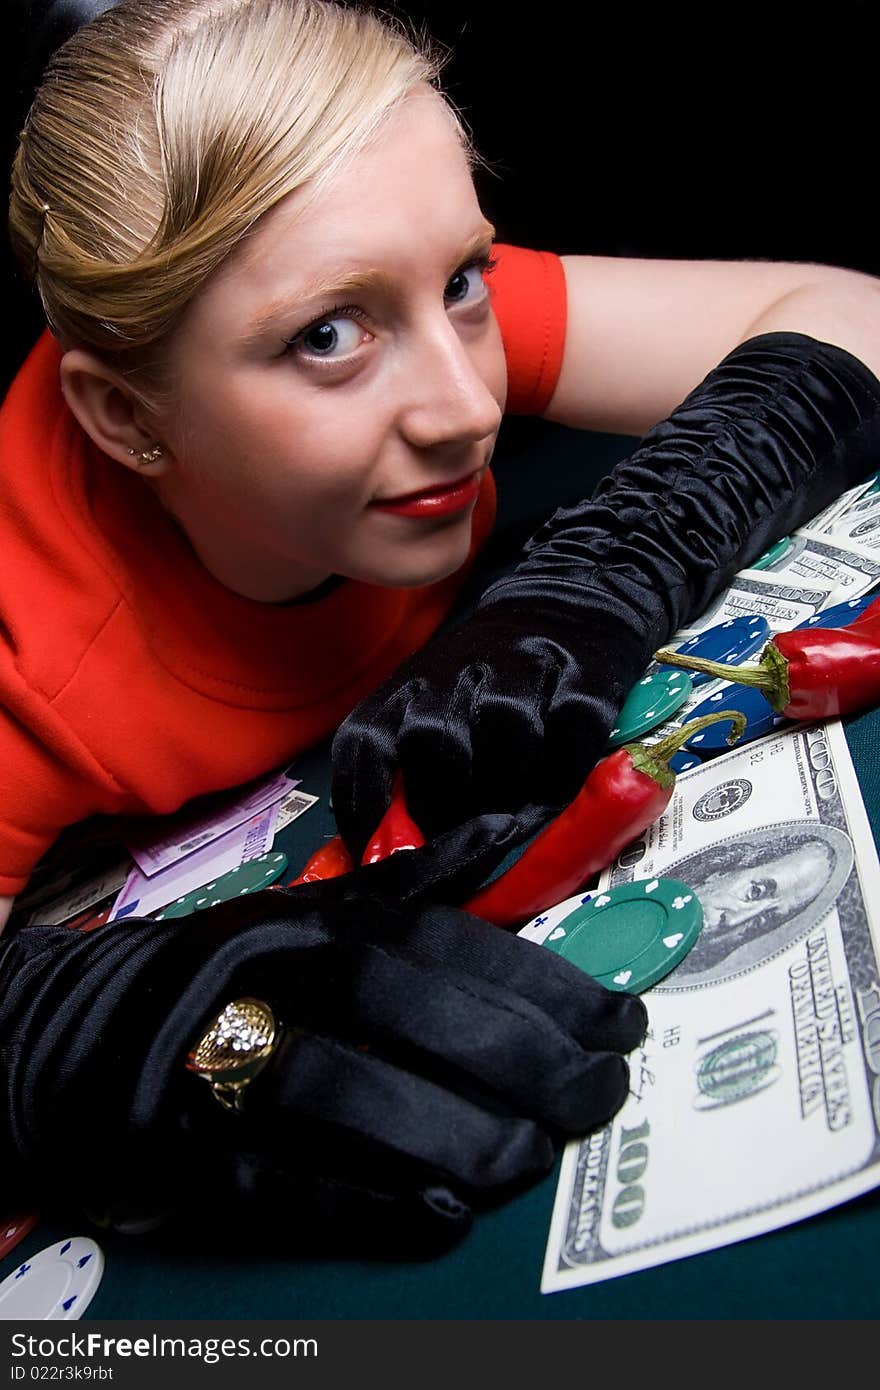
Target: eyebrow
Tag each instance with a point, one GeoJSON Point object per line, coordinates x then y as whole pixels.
{"type": "Point", "coordinates": [369, 279]}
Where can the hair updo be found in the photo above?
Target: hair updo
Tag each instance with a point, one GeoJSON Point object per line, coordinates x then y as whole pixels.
{"type": "Point", "coordinates": [164, 129]}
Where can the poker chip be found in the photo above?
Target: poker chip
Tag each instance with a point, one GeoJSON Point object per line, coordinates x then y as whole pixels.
{"type": "Point", "coordinates": [774, 553]}
{"type": "Point", "coordinates": [14, 1228]}
{"type": "Point", "coordinates": [760, 716]}
{"type": "Point", "coordinates": [684, 760]}
{"type": "Point", "coordinates": [732, 641]}
{"type": "Point", "coordinates": [91, 918]}
{"type": "Point", "coordinates": [650, 702]}
{"type": "Point", "coordinates": [249, 877]}
{"type": "Point", "coordinates": [628, 937]}
{"type": "Point", "coordinates": [841, 614]}
{"type": "Point", "coordinates": [57, 1284]}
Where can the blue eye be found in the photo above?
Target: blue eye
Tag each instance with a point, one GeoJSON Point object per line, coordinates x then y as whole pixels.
{"type": "Point", "coordinates": [483, 266]}
{"type": "Point", "coordinates": [321, 338]}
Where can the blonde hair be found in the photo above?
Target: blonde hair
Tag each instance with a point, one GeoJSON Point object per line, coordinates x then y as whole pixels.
{"type": "Point", "coordinates": [164, 128]}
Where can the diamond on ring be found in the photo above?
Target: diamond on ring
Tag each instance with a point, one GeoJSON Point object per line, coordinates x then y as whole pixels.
{"type": "Point", "coordinates": [234, 1049]}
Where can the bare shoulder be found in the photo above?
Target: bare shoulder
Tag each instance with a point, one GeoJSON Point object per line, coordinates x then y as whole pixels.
{"type": "Point", "coordinates": [642, 333]}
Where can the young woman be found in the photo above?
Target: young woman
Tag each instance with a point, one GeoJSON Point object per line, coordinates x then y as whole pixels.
{"type": "Point", "coordinates": [247, 469]}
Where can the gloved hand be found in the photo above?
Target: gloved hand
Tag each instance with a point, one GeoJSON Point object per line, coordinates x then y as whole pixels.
{"type": "Point", "coordinates": [428, 1063]}
{"type": "Point", "coordinates": [506, 713]}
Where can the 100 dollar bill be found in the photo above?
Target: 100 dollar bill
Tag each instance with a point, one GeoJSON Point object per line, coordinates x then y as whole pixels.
{"type": "Point", "coordinates": [849, 568]}
{"type": "Point", "coordinates": [783, 604]}
{"type": "Point", "coordinates": [755, 1098]}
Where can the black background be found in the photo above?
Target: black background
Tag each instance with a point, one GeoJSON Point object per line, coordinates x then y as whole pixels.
{"type": "Point", "coordinates": [720, 131]}
{"type": "Point", "coordinates": [671, 130]}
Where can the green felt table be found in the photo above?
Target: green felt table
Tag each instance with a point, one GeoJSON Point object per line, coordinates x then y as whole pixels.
{"type": "Point", "coordinates": [820, 1268]}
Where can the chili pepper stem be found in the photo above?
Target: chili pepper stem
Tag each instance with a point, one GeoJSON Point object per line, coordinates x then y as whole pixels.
{"type": "Point", "coordinates": [653, 759]}
{"type": "Point", "coordinates": [770, 675]}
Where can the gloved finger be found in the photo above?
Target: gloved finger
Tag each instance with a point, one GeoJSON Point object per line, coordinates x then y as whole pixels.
{"type": "Point", "coordinates": [293, 1210]}
{"type": "Point", "coordinates": [367, 1099]}
{"type": "Point", "coordinates": [453, 1022]}
{"type": "Point", "coordinates": [435, 752]}
{"type": "Point", "coordinates": [363, 755]}
{"type": "Point", "coordinates": [359, 804]}
{"type": "Point", "coordinates": [425, 734]}
{"type": "Point", "coordinates": [514, 717]}
{"type": "Point", "coordinates": [596, 1017]}
{"type": "Point", "coordinates": [452, 747]}
{"type": "Point", "coordinates": [584, 711]}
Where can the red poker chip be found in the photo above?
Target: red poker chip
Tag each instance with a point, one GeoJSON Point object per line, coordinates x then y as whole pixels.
{"type": "Point", "coordinates": [90, 919]}
{"type": "Point", "coordinates": [15, 1228]}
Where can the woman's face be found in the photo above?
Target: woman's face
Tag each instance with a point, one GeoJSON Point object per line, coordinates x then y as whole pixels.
{"type": "Point", "coordinates": [301, 409]}
{"type": "Point", "coordinates": [787, 883]}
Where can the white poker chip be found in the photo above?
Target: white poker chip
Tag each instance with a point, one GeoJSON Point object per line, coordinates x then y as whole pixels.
{"type": "Point", "coordinates": [541, 926]}
{"type": "Point", "coordinates": [57, 1284]}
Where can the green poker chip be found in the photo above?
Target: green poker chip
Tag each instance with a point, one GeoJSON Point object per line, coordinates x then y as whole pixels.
{"type": "Point", "coordinates": [870, 486]}
{"type": "Point", "coordinates": [631, 936]}
{"type": "Point", "coordinates": [650, 702]}
{"type": "Point", "coordinates": [249, 877]}
{"type": "Point", "coordinates": [775, 553]}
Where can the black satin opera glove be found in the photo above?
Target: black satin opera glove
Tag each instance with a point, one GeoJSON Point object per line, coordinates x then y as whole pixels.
{"type": "Point", "coordinates": [507, 713]}
{"type": "Point", "coordinates": [428, 1065]}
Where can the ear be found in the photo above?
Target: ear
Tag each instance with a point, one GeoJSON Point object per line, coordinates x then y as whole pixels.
{"type": "Point", "coordinates": [110, 413]}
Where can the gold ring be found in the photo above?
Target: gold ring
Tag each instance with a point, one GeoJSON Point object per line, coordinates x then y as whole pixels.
{"type": "Point", "coordinates": [234, 1049]}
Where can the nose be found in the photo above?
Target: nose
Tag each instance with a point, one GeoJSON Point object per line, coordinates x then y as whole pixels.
{"type": "Point", "coordinates": [445, 399]}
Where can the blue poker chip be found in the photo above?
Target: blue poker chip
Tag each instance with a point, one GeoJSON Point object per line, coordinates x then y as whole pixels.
{"type": "Point", "coordinates": [842, 614]}
{"type": "Point", "coordinates": [732, 642]}
{"type": "Point", "coordinates": [761, 718]}
{"type": "Point", "coordinates": [684, 760]}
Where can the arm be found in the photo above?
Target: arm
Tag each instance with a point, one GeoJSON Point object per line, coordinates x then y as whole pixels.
{"type": "Point", "coordinates": [5, 910]}
{"type": "Point", "coordinates": [641, 334]}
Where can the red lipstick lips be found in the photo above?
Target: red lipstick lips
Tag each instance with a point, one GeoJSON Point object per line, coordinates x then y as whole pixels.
{"type": "Point", "coordinates": [435, 501]}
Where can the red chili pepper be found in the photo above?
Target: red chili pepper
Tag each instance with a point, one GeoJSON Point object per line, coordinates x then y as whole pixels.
{"type": "Point", "coordinates": [810, 673]}
{"type": "Point", "coordinates": [329, 861]}
{"type": "Point", "coordinates": [622, 796]}
{"type": "Point", "coordinates": [396, 831]}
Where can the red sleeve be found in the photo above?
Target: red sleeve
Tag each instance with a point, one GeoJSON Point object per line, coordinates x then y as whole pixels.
{"type": "Point", "coordinates": [48, 778]}
{"type": "Point", "coordinates": [527, 290]}
{"type": "Point", "coordinates": [40, 796]}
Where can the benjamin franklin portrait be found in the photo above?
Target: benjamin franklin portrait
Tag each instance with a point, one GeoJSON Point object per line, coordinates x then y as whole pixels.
{"type": "Point", "coordinates": [759, 891]}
